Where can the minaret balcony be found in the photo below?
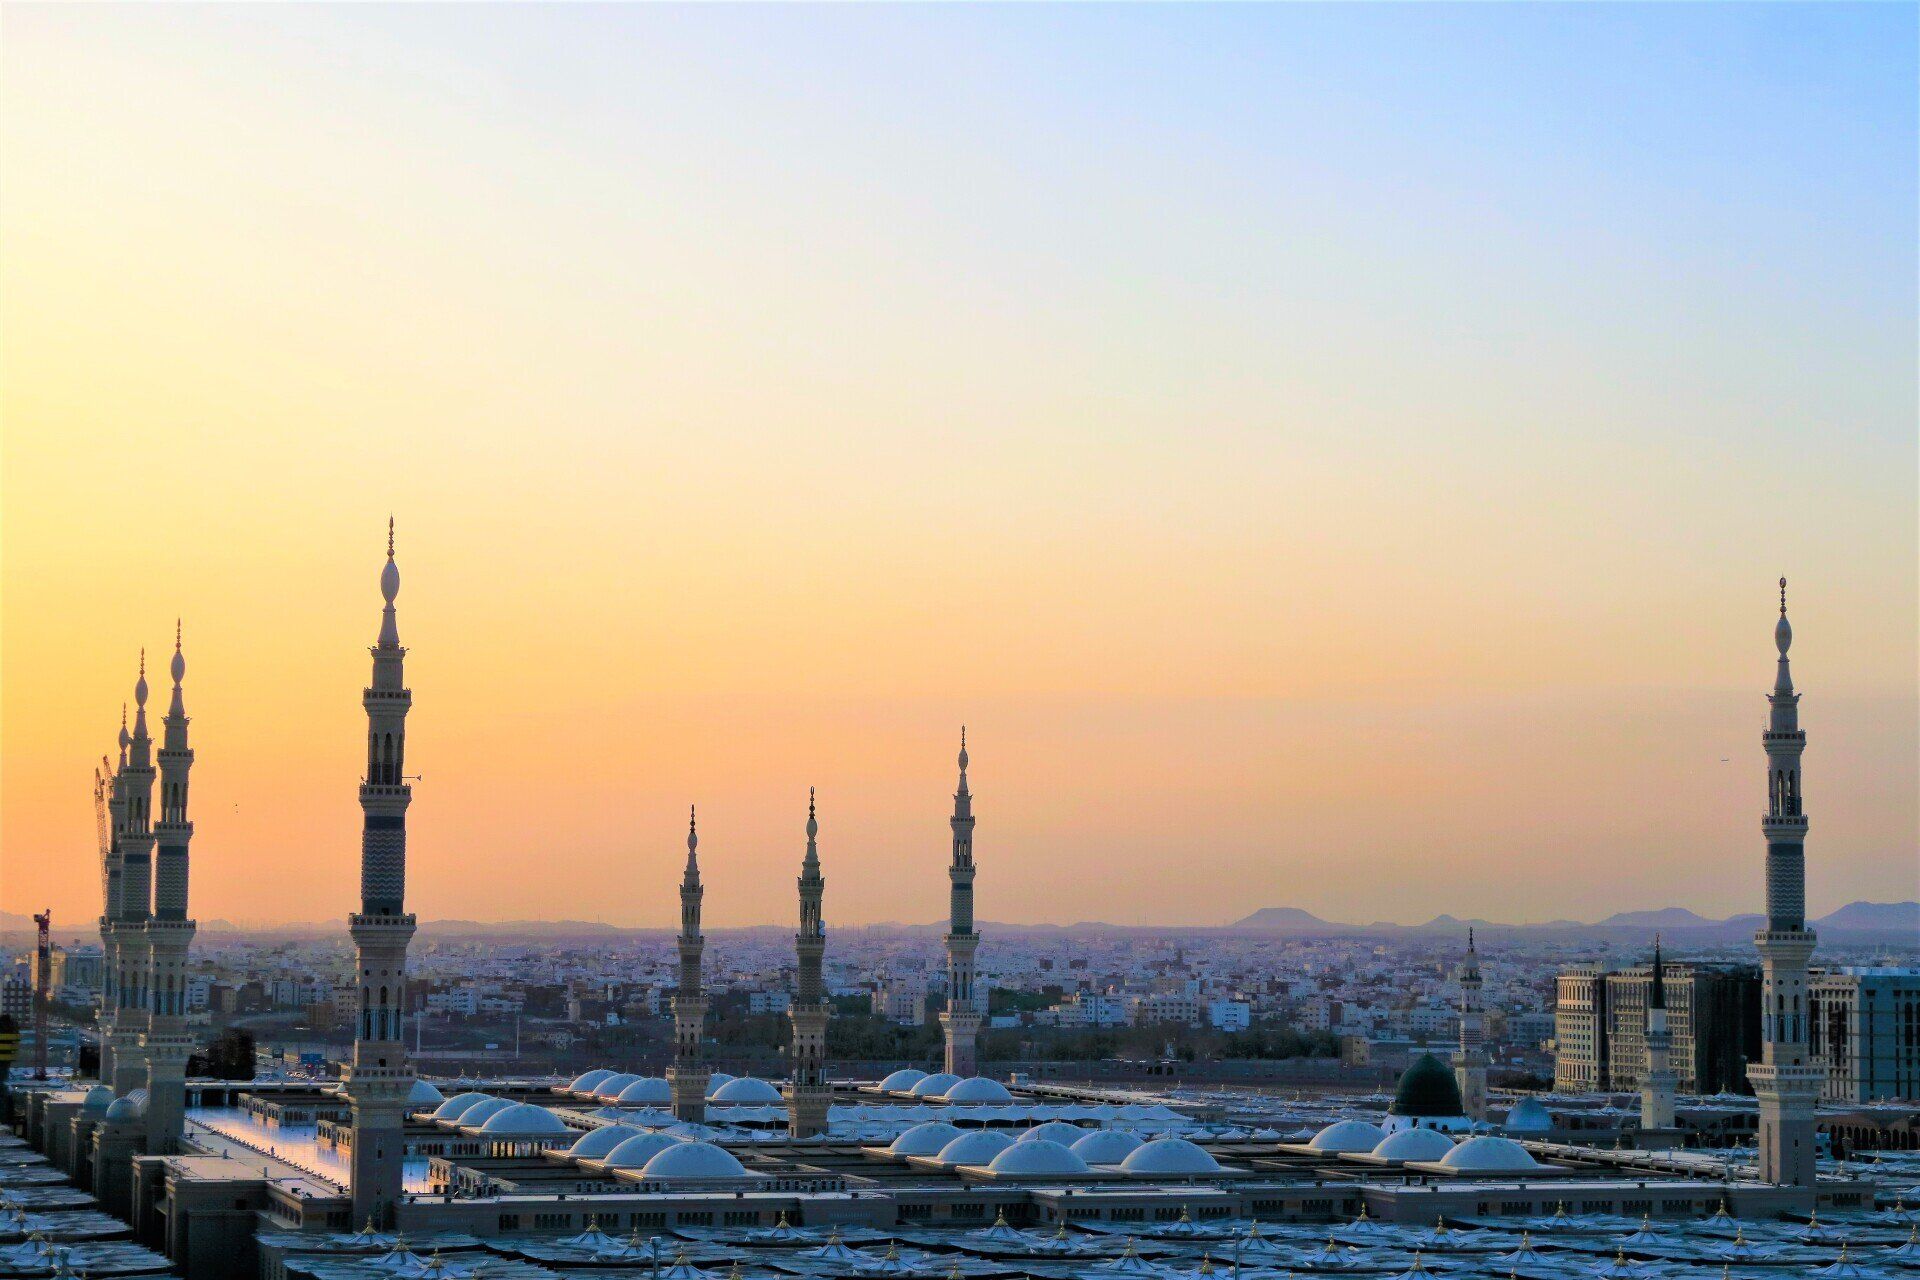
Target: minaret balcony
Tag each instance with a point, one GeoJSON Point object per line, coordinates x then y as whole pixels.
{"type": "Point", "coordinates": [1784, 823]}
{"type": "Point", "coordinates": [1789, 736]}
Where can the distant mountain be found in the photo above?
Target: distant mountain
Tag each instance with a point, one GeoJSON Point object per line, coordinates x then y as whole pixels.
{"type": "Point", "coordinates": [1663, 918]}
{"type": "Point", "coordinates": [1288, 920]}
{"type": "Point", "coordinates": [1877, 917]}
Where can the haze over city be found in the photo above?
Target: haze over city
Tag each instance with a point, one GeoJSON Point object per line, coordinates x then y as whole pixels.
{"type": "Point", "coordinates": [1330, 438]}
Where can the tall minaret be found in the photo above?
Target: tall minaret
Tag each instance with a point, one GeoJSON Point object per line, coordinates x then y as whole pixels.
{"type": "Point", "coordinates": [136, 898]}
{"type": "Point", "coordinates": [961, 1020]}
{"type": "Point", "coordinates": [688, 1074]}
{"type": "Point", "coordinates": [1470, 1061]}
{"type": "Point", "coordinates": [114, 873]}
{"type": "Point", "coordinates": [170, 932]}
{"type": "Point", "coordinates": [1656, 1087]}
{"type": "Point", "coordinates": [379, 1078]}
{"type": "Point", "coordinates": [808, 1095]}
{"type": "Point", "coordinates": [1785, 1082]}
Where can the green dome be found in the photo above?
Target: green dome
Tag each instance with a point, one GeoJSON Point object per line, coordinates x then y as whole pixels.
{"type": "Point", "coordinates": [1427, 1089]}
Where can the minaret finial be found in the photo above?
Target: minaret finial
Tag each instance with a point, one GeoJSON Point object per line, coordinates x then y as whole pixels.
{"type": "Point", "coordinates": [389, 535]}
{"type": "Point", "coordinates": [693, 828]}
{"type": "Point", "coordinates": [1783, 595]}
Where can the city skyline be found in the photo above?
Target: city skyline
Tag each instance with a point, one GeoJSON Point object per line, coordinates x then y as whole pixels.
{"type": "Point", "coordinates": [1322, 438]}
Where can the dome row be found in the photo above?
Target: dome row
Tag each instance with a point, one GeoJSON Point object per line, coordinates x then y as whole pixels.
{"type": "Point", "coordinates": [1485, 1153]}
{"type": "Point", "coordinates": [1050, 1149]}
{"type": "Point", "coordinates": [622, 1087]}
{"type": "Point", "coordinates": [946, 1087]}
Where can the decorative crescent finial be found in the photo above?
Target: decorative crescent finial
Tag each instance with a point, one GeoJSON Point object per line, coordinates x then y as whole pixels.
{"type": "Point", "coordinates": [389, 536]}
{"type": "Point", "coordinates": [693, 830]}
{"type": "Point", "coordinates": [1783, 595]}
{"type": "Point", "coordinates": [176, 635]}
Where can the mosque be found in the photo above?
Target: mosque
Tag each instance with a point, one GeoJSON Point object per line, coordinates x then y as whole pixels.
{"type": "Point", "coordinates": [535, 1177]}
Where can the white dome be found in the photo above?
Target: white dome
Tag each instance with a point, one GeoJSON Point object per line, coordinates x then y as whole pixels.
{"type": "Point", "coordinates": [934, 1085]}
{"type": "Point", "coordinates": [1529, 1115]}
{"type": "Point", "coordinates": [1106, 1146]}
{"type": "Point", "coordinates": [588, 1082]}
{"type": "Point", "coordinates": [98, 1098]}
{"type": "Point", "coordinates": [122, 1111]}
{"type": "Point", "coordinates": [1348, 1135]}
{"type": "Point", "coordinates": [1414, 1144]}
{"type": "Point", "coordinates": [1170, 1155]}
{"type": "Point", "coordinates": [747, 1089]}
{"type": "Point", "coordinates": [608, 1090]}
{"type": "Point", "coordinates": [524, 1120]}
{"type": "Point", "coordinates": [977, 1147]}
{"type": "Point", "coordinates": [424, 1095]}
{"type": "Point", "coordinates": [717, 1081]}
{"type": "Point", "coordinates": [646, 1091]}
{"type": "Point", "coordinates": [694, 1160]}
{"type": "Point", "coordinates": [637, 1150]}
{"type": "Point", "coordinates": [596, 1144]}
{"type": "Point", "coordinates": [481, 1110]}
{"type": "Point", "coordinates": [1054, 1131]}
{"type": "Point", "coordinates": [977, 1089]}
{"type": "Point", "coordinates": [1488, 1154]}
{"type": "Point", "coordinates": [924, 1139]}
{"type": "Point", "coordinates": [1038, 1158]}
{"type": "Point", "coordinates": [453, 1108]}
{"type": "Point", "coordinates": [902, 1080]}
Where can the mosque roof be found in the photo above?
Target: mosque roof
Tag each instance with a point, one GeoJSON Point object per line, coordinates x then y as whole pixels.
{"type": "Point", "coordinates": [1037, 1158]}
{"type": "Point", "coordinates": [424, 1094]}
{"type": "Point", "coordinates": [977, 1089]}
{"type": "Point", "coordinates": [608, 1090]}
{"type": "Point", "coordinates": [694, 1160]}
{"type": "Point", "coordinates": [1427, 1088]}
{"type": "Point", "coordinates": [1170, 1156]}
{"type": "Point", "coordinates": [935, 1085]}
{"type": "Point", "coordinates": [1529, 1115]}
{"type": "Point", "coordinates": [1489, 1154]}
{"type": "Point", "coordinates": [1106, 1146]}
{"type": "Point", "coordinates": [902, 1080]}
{"type": "Point", "coordinates": [481, 1110]}
{"type": "Point", "coordinates": [1347, 1135]}
{"type": "Point", "coordinates": [746, 1089]}
{"type": "Point", "coordinates": [976, 1146]}
{"type": "Point", "coordinates": [924, 1139]}
{"type": "Point", "coordinates": [717, 1081]}
{"type": "Point", "coordinates": [1414, 1144]}
{"type": "Point", "coordinates": [1054, 1131]}
{"type": "Point", "coordinates": [647, 1090]}
{"type": "Point", "coordinates": [456, 1106]}
{"type": "Point", "coordinates": [587, 1082]}
{"type": "Point", "coordinates": [637, 1150]}
{"type": "Point", "coordinates": [98, 1098]}
{"type": "Point", "coordinates": [596, 1144]}
{"type": "Point", "coordinates": [524, 1120]}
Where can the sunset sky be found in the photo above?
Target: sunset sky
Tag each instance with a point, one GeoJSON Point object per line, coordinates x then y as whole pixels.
{"type": "Point", "coordinates": [1336, 457]}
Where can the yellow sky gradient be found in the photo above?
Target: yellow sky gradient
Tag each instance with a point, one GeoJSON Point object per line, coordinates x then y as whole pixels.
{"type": "Point", "coordinates": [1271, 562]}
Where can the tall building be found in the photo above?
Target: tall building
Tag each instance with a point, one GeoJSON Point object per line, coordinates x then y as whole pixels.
{"type": "Point", "coordinates": [379, 1077]}
{"type": "Point", "coordinates": [687, 1077]}
{"type": "Point", "coordinates": [136, 898]}
{"type": "Point", "coordinates": [1865, 1031]}
{"type": "Point", "coordinates": [1600, 1026]}
{"type": "Point", "coordinates": [1470, 1061]}
{"type": "Point", "coordinates": [165, 1043]}
{"type": "Point", "coordinates": [1656, 1088]}
{"type": "Point", "coordinates": [808, 1094]}
{"type": "Point", "coordinates": [1785, 1080]}
{"type": "Point", "coordinates": [961, 1019]}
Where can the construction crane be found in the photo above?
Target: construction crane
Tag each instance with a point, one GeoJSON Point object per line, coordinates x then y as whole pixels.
{"type": "Point", "coordinates": [43, 966]}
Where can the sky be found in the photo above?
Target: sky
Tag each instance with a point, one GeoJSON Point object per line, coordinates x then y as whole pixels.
{"type": "Point", "coordinates": [1329, 456]}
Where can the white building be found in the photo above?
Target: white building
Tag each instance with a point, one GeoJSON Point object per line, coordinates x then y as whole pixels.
{"type": "Point", "coordinates": [1229, 1015]}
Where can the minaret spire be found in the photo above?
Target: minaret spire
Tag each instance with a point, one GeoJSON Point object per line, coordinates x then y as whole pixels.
{"type": "Point", "coordinates": [961, 1019]}
{"type": "Point", "coordinates": [170, 932]}
{"type": "Point", "coordinates": [1786, 1082]}
{"type": "Point", "coordinates": [379, 1076]}
{"type": "Point", "coordinates": [136, 896]}
{"type": "Point", "coordinates": [1470, 1060]}
{"type": "Point", "coordinates": [1657, 1087]}
{"type": "Point", "coordinates": [114, 976]}
{"type": "Point", "coordinates": [809, 1092]}
{"type": "Point", "coordinates": [687, 1077]}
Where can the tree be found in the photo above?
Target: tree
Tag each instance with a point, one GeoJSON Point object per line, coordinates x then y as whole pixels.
{"type": "Point", "coordinates": [229, 1056]}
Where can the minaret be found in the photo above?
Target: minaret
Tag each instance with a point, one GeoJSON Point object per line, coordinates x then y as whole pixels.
{"type": "Point", "coordinates": [1656, 1087]}
{"type": "Point", "coordinates": [136, 898]}
{"type": "Point", "coordinates": [1785, 1083]}
{"type": "Point", "coordinates": [688, 1074]}
{"type": "Point", "coordinates": [170, 932]}
{"type": "Point", "coordinates": [113, 874]}
{"type": "Point", "coordinates": [808, 1095]}
{"type": "Point", "coordinates": [961, 1020]}
{"type": "Point", "coordinates": [379, 1078]}
{"type": "Point", "coordinates": [1470, 1061]}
